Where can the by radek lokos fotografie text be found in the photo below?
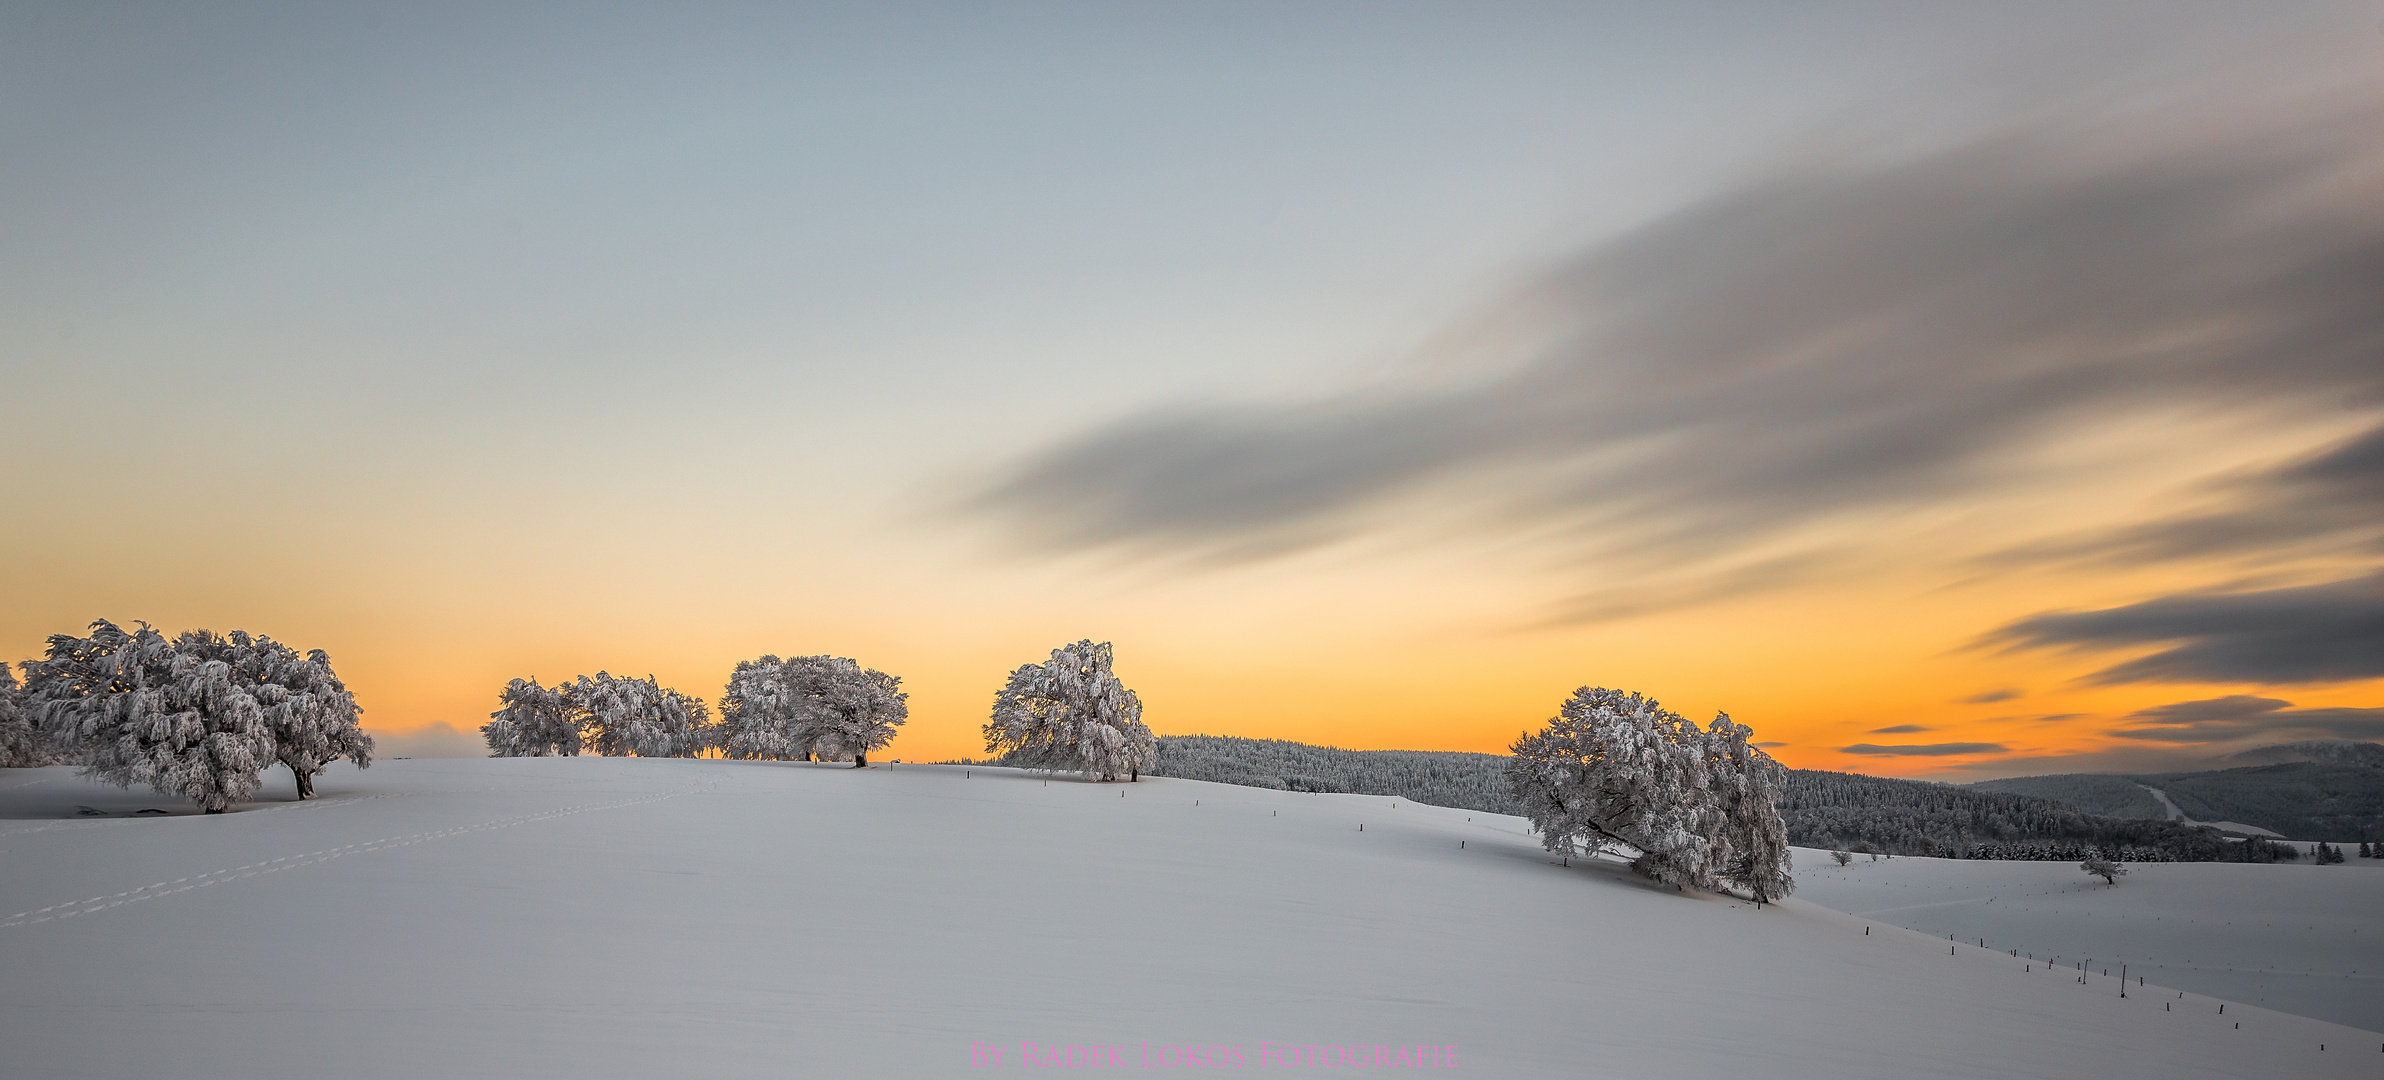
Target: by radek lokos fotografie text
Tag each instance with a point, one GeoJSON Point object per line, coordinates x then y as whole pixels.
{"type": "Point", "coordinates": [1268, 1055]}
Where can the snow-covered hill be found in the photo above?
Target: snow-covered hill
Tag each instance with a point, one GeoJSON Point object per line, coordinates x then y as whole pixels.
{"type": "Point", "coordinates": [589, 917]}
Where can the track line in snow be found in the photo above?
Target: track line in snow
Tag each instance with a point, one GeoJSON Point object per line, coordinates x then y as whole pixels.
{"type": "Point", "coordinates": [72, 908]}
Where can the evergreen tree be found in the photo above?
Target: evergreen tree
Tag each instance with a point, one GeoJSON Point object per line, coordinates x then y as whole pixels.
{"type": "Point", "coordinates": [1071, 714]}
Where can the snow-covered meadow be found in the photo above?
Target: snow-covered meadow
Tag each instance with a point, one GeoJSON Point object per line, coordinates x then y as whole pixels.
{"type": "Point", "coordinates": [2296, 937]}
{"type": "Point", "coordinates": [590, 917]}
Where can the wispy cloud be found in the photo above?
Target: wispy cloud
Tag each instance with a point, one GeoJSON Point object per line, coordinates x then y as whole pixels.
{"type": "Point", "coordinates": [2244, 716]}
{"type": "Point", "coordinates": [1945, 749]}
{"type": "Point", "coordinates": [1992, 696]}
{"type": "Point", "coordinates": [1899, 729]}
{"type": "Point", "coordinates": [2330, 632]}
{"type": "Point", "coordinates": [2331, 500]}
{"type": "Point", "coordinates": [1819, 343]}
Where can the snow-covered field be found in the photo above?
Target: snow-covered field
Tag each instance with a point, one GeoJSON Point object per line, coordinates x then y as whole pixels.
{"type": "Point", "coordinates": [587, 917]}
{"type": "Point", "coordinates": [2296, 937]}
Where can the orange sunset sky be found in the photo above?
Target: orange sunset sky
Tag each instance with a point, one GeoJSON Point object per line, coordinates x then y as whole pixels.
{"type": "Point", "coordinates": [1951, 394]}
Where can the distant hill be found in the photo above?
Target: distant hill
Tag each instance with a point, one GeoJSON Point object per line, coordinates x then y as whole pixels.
{"type": "Point", "coordinates": [2303, 800]}
{"type": "Point", "coordinates": [2323, 752]}
{"type": "Point", "coordinates": [2104, 794]}
{"type": "Point", "coordinates": [1823, 809]}
{"type": "Point", "coordinates": [2332, 791]}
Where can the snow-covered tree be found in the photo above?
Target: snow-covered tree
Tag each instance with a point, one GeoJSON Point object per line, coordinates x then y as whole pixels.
{"type": "Point", "coordinates": [1746, 785]}
{"type": "Point", "coordinates": [309, 711]}
{"type": "Point", "coordinates": [2103, 868]}
{"type": "Point", "coordinates": [1842, 857]}
{"type": "Point", "coordinates": [142, 711]}
{"type": "Point", "coordinates": [639, 716]}
{"type": "Point", "coordinates": [761, 713]}
{"type": "Point", "coordinates": [22, 746]}
{"type": "Point", "coordinates": [1071, 714]}
{"type": "Point", "coordinates": [852, 709]}
{"type": "Point", "coordinates": [805, 706]}
{"type": "Point", "coordinates": [533, 721]}
{"type": "Point", "coordinates": [1618, 772]}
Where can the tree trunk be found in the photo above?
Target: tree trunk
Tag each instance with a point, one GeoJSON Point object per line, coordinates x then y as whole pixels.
{"type": "Point", "coordinates": [861, 761]}
{"type": "Point", "coordinates": [1135, 777]}
{"type": "Point", "coordinates": [306, 781]}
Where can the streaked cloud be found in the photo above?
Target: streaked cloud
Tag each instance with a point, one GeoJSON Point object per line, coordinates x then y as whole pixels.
{"type": "Point", "coordinates": [2329, 632]}
{"type": "Point", "coordinates": [2329, 501]}
{"type": "Point", "coordinates": [2244, 717]}
{"type": "Point", "coordinates": [1899, 729]}
{"type": "Point", "coordinates": [1992, 696]}
{"type": "Point", "coordinates": [1948, 749]}
{"type": "Point", "coordinates": [1701, 394]}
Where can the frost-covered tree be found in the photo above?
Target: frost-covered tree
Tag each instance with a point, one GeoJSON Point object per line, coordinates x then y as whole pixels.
{"type": "Point", "coordinates": [2103, 868]}
{"type": "Point", "coordinates": [1617, 772]}
{"type": "Point", "coordinates": [805, 706]}
{"type": "Point", "coordinates": [639, 716]}
{"type": "Point", "coordinates": [761, 713]}
{"type": "Point", "coordinates": [846, 710]}
{"type": "Point", "coordinates": [21, 744]}
{"type": "Point", "coordinates": [1842, 857]}
{"type": "Point", "coordinates": [1071, 714]}
{"type": "Point", "coordinates": [533, 721]}
{"type": "Point", "coordinates": [142, 711]}
{"type": "Point", "coordinates": [309, 711]}
{"type": "Point", "coordinates": [1753, 842]}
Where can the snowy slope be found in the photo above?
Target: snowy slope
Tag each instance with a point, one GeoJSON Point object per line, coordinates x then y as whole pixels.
{"type": "Point", "coordinates": [2296, 937]}
{"type": "Point", "coordinates": [636, 918]}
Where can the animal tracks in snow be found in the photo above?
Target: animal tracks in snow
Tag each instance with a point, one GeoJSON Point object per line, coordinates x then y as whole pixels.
{"type": "Point", "coordinates": [71, 909]}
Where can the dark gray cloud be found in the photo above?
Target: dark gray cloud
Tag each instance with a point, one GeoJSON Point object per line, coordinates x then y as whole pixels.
{"type": "Point", "coordinates": [1899, 729]}
{"type": "Point", "coordinates": [2331, 632]}
{"type": "Point", "coordinates": [2245, 716]}
{"type": "Point", "coordinates": [1813, 344]}
{"type": "Point", "coordinates": [1943, 749]}
{"type": "Point", "coordinates": [1992, 696]}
